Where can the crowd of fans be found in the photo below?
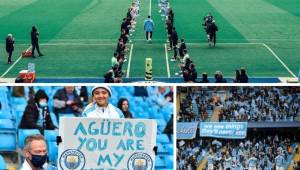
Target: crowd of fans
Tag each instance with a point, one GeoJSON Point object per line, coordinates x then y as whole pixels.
{"type": "Point", "coordinates": [115, 73]}
{"type": "Point", "coordinates": [262, 151]}
{"type": "Point", "coordinates": [270, 104]}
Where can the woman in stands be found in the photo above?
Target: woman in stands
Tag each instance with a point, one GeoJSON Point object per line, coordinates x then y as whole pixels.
{"type": "Point", "coordinates": [123, 105]}
{"type": "Point", "coordinates": [36, 114]}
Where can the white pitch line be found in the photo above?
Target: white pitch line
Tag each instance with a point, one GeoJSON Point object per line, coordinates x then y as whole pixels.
{"type": "Point", "coordinates": [276, 56]}
{"type": "Point", "coordinates": [167, 61]}
{"type": "Point", "coordinates": [129, 61]}
{"type": "Point", "coordinates": [150, 8]}
{"type": "Point", "coordinates": [14, 63]}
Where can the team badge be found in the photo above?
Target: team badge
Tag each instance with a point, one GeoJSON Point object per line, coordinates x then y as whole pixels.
{"type": "Point", "coordinates": [72, 159]}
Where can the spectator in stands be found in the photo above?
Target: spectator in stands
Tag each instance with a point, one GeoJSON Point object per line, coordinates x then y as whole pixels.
{"type": "Point", "coordinates": [18, 91]}
{"type": "Point", "coordinates": [169, 95]}
{"type": "Point", "coordinates": [204, 78]}
{"type": "Point", "coordinates": [108, 77]}
{"type": "Point", "coordinates": [244, 76]}
{"type": "Point", "coordinates": [219, 77]}
{"type": "Point", "coordinates": [100, 107]}
{"type": "Point", "coordinates": [190, 74]}
{"type": "Point", "coordinates": [149, 27]}
{"type": "Point", "coordinates": [67, 100]}
{"type": "Point", "coordinates": [279, 160]}
{"type": "Point", "coordinates": [10, 41]}
{"type": "Point", "coordinates": [35, 41]}
{"type": "Point", "coordinates": [123, 105]}
{"type": "Point", "coordinates": [35, 151]}
{"type": "Point", "coordinates": [83, 94]}
{"type": "Point", "coordinates": [237, 76]}
{"type": "Point", "coordinates": [36, 114]}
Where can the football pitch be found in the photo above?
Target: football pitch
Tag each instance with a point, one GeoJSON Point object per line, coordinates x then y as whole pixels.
{"type": "Point", "coordinates": [79, 38]}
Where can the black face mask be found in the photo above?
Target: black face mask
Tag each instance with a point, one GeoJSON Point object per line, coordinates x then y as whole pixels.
{"type": "Point", "coordinates": [38, 160]}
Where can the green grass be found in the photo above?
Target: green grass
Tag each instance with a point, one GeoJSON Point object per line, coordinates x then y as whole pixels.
{"type": "Point", "coordinates": [68, 24]}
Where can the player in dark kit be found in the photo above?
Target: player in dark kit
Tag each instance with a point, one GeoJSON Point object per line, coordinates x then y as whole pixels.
{"type": "Point", "coordinates": [212, 29]}
{"type": "Point", "coordinates": [175, 43]}
{"type": "Point", "coordinates": [207, 22]}
{"type": "Point", "coordinates": [35, 41]}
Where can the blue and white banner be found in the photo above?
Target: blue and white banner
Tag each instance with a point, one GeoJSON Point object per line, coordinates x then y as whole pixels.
{"type": "Point", "coordinates": [186, 130]}
{"type": "Point", "coordinates": [114, 144]}
{"type": "Point", "coordinates": [228, 130]}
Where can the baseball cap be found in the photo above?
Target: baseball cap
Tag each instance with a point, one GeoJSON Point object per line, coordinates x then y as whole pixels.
{"type": "Point", "coordinates": [107, 88]}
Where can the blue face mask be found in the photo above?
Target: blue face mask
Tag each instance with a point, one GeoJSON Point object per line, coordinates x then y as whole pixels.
{"type": "Point", "coordinates": [38, 160]}
{"type": "Point", "coordinates": [43, 104]}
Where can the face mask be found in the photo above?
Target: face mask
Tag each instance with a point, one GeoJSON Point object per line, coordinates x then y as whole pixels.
{"type": "Point", "coordinates": [38, 160]}
{"type": "Point", "coordinates": [43, 104]}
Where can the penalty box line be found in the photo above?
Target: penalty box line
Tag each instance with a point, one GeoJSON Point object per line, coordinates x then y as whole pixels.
{"type": "Point", "coordinates": [262, 44]}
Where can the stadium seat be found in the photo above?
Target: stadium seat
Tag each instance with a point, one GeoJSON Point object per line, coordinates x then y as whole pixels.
{"type": "Point", "coordinates": [159, 163]}
{"type": "Point", "coordinates": [52, 152]}
{"type": "Point", "coordinates": [161, 149]}
{"type": "Point", "coordinates": [23, 133]}
{"type": "Point", "coordinates": [169, 148]}
{"type": "Point", "coordinates": [2, 163]}
{"type": "Point", "coordinates": [6, 114]}
{"type": "Point", "coordinates": [51, 135]}
{"type": "Point", "coordinates": [7, 135]}
{"type": "Point", "coordinates": [169, 161]}
{"type": "Point", "coordinates": [18, 117]}
{"type": "Point", "coordinates": [161, 125]}
{"type": "Point", "coordinates": [162, 138]}
{"type": "Point", "coordinates": [54, 119]}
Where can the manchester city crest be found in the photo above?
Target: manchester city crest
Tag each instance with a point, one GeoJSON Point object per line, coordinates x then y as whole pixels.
{"type": "Point", "coordinates": [72, 159]}
{"type": "Point", "coordinates": [140, 161]}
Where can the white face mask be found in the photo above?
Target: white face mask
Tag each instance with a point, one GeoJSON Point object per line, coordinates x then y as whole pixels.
{"type": "Point", "coordinates": [43, 104]}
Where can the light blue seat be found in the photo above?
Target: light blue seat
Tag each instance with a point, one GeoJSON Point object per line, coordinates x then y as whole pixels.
{"type": "Point", "coordinates": [23, 133]}
{"type": "Point", "coordinates": [159, 163]}
{"type": "Point", "coordinates": [52, 152]}
{"type": "Point", "coordinates": [7, 135]}
{"type": "Point", "coordinates": [51, 135]}
{"type": "Point", "coordinates": [162, 138]}
{"type": "Point", "coordinates": [2, 163]}
{"type": "Point", "coordinates": [54, 119]}
{"type": "Point", "coordinates": [169, 161]}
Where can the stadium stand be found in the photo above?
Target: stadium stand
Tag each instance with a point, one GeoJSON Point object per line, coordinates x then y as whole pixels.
{"type": "Point", "coordinates": [153, 107]}
{"type": "Point", "coordinates": [266, 141]}
{"type": "Point", "coordinates": [253, 104]}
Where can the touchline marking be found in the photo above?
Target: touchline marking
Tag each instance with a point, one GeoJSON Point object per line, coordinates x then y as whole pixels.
{"type": "Point", "coordinates": [276, 56]}
{"type": "Point", "coordinates": [14, 63]}
{"type": "Point", "coordinates": [129, 61]}
{"type": "Point", "coordinates": [167, 61]}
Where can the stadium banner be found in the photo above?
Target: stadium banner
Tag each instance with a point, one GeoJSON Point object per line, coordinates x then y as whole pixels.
{"type": "Point", "coordinates": [228, 130]}
{"type": "Point", "coordinates": [114, 144]}
{"type": "Point", "coordinates": [186, 130]}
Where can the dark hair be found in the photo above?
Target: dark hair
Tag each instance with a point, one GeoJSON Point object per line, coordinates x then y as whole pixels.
{"type": "Point", "coordinates": [120, 102]}
{"type": "Point", "coordinates": [40, 94]}
{"type": "Point", "coordinates": [34, 29]}
{"type": "Point", "coordinates": [149, 16]}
